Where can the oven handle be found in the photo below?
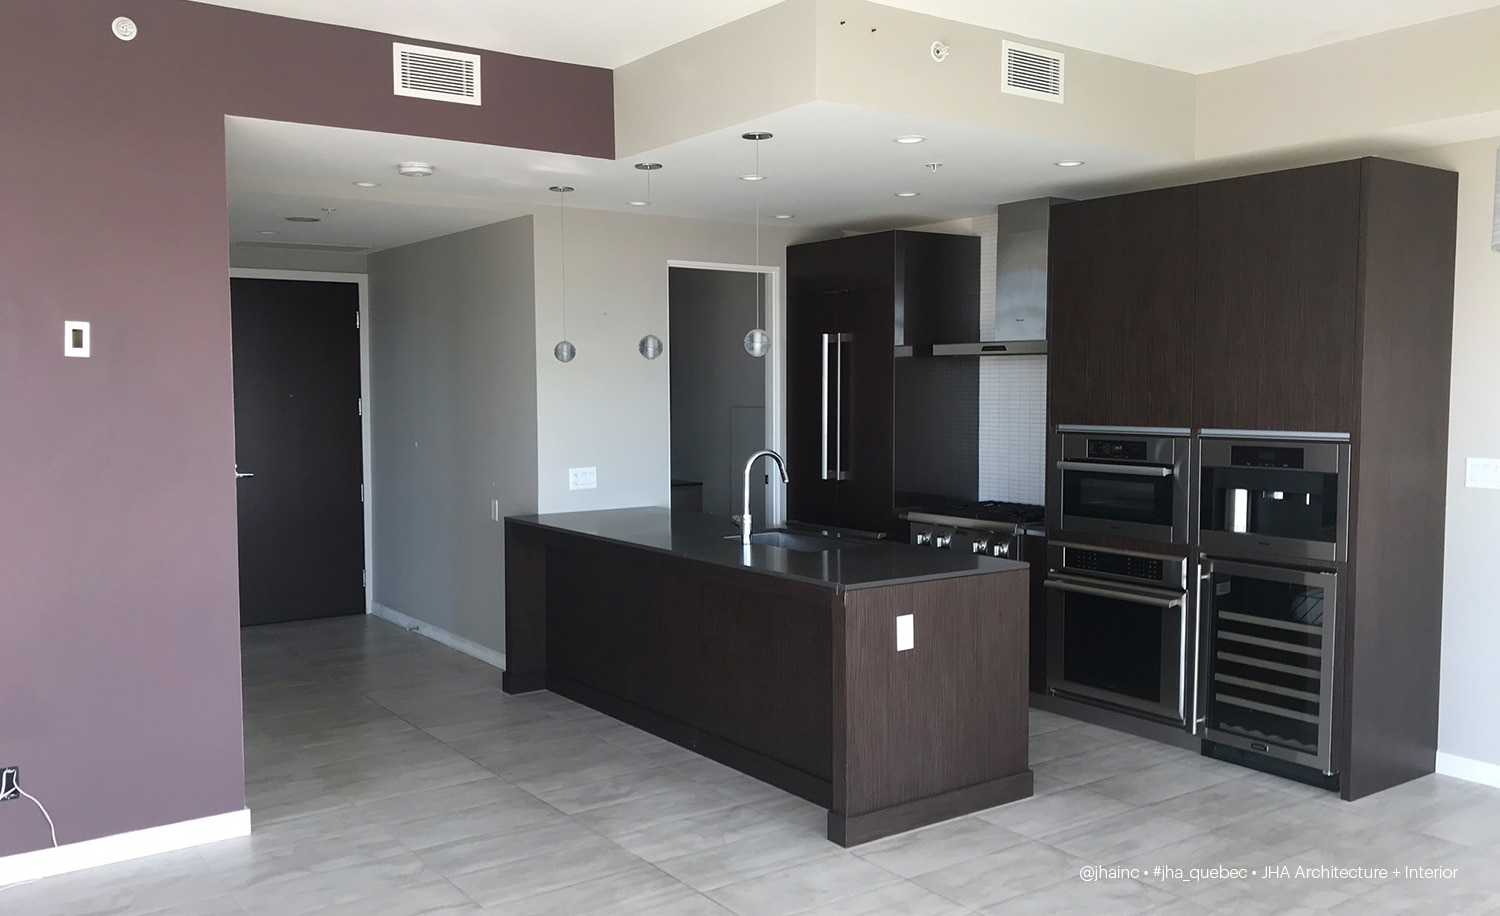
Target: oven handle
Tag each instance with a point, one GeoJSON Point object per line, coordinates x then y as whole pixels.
{"type": "Point", "coordinates": [1097, 591]}
{"type": "Point", "coordinates": [1131, 470]}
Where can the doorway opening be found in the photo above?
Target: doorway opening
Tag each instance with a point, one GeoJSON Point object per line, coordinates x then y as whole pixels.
{"type": "Point", "coordinates": [725, 403]}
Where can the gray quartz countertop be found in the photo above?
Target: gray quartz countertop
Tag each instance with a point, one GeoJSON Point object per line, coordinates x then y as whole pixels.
{"type": "Point", "coordinates": [851, 564]}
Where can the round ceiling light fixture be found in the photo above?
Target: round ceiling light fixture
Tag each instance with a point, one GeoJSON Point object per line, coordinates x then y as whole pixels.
{"type": "Point", "coordinates": [911, 138]}
{"type": "Point", "coordinates": [415, 169]}
{"type": "Point", "coordinates": [367, 184]}
{"type": "Point", "coordinates": [908, 193]}
{"type": "Point", "coordinates": [269, 232]}
{"type": "Point", "coordinates": [784, 216]}
{"type": "Point", "coordinates": [304, 219]}
{"type": "Point", "coordinates": [1069, 163]}
{"type": "Point", "coordinates": [752, 178]}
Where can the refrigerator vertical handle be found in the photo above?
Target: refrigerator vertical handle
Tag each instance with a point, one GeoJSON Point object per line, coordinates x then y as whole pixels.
{"type": "Point", "coordinates": [827, 469]}
{"type": "Point", "coordinates": [840, 468]}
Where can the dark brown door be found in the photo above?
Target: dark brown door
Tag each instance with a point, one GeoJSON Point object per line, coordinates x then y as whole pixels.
{"type": "Point", "coordinates": [1278, 271]}
{"type": "Point", "coordinates": [297, 431]}
{"type": "Point", "coordinates": [1120, 307]}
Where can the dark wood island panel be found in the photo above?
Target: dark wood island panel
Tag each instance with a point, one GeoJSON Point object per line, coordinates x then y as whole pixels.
{"type": "Point", "coordinates": [792, 681]}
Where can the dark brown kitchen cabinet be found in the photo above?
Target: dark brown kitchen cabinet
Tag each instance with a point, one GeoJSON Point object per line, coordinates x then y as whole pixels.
{"type": "Point", "coordinates": [852, 301]}
{"type": "Point", "coordinates": [1120, 307]}
{"type": "Point", "coordinates": [1278, 287]}
{"type": "Point", "coordinates": [1311, 300]}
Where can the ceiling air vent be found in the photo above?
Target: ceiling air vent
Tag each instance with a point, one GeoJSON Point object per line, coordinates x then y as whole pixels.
{"type": "Point", "coordinates": [433, 73]}
{"type": "Point", "coordinates": [1032, 72]}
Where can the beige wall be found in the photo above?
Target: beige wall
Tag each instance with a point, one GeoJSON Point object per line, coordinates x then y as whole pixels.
{"type": "Point", "coordinates": [758, 65]}
{"type": "Point", "coordinates": [1471, 604]}
{"type": "Point", "coordinates": [1439, 80]}
{"type": "Point", "coordinates": [610, 408]}
{"type": "Point", "coordinates": [1107, 100]}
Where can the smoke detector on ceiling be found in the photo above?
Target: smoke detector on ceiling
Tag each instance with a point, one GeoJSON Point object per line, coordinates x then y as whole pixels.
{"type": "Point", "coordinates": [415, 170]}
{"type": "Point", "coordinates": [124, 28]}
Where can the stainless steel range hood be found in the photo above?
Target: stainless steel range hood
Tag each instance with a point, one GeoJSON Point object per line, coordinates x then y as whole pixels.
{"type": "Point", "coordinates": [1020, 325]}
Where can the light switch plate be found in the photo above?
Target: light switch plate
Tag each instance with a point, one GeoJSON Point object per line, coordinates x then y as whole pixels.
{"type": "Point", "coordinates": [583, 478]}
{"type": "Point", "coordinates": [494, 510]}
{"type": "Point", "coordinates": [76, 338]}
{"type": "Point", "coordinates": [1483, 473]}
{"type": "Point", "coordinates": [906, 636]}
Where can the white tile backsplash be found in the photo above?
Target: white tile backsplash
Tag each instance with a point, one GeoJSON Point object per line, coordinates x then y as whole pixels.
{"type": "Point", "coordinates": [1013, 428]}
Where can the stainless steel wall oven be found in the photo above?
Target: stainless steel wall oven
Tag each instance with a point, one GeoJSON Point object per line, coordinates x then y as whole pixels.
{"type": "Point", "coordinates": [1119, 631]}
{"type": "Point", "coordinates": [1129, 482]}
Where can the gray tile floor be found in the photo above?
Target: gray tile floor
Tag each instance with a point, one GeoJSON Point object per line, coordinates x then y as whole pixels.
{"type": "Point", "coordinates": [389, 775]}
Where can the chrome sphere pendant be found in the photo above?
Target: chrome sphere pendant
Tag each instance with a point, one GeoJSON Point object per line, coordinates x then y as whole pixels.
{"type": "Point", "coordinates": [757, 343]}
{"type": "Point", "coordinates": [650, 346]}
{"type": "Point", "coordinates": [565, 351]}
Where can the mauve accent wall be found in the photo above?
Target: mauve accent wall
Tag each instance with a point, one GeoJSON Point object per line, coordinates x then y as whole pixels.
{"type": "Point", "coordinates": [119, 620]}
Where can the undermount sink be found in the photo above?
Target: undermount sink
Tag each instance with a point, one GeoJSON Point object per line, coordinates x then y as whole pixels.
{"type": "Point", "coordinates": [787, 540]}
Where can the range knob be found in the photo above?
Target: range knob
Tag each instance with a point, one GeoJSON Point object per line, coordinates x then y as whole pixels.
{"type": "Point", "coordinates": [943, 541]}
{"type": "Point", "coordinates": [923, 538]}
{"type": "Point", "coordinates": [981, 545]}
{"type": "Point", "coordinates": [1000, 549]}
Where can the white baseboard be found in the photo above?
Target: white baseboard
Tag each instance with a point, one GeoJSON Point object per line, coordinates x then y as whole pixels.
{"type": "Point", "coordinates": [439, 635]}
{"type": "Point", "coordinates": [1467, 768]}
{"type": "Point", "coordinates": [122, 847]}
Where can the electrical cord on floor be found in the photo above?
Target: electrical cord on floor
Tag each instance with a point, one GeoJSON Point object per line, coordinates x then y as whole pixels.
{"type": "Point", "coordinates": [42, 808]}
{"type": "Point", "coordinates": [51, 827]}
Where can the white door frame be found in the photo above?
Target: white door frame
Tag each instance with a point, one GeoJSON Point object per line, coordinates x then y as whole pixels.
{"type": "Point", "coordinates": [775, 372]}
{"type": "Point", "coordinates": [363, 282]}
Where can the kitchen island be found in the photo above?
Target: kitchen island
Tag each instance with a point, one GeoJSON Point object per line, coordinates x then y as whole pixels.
{"type": "Point", "coordinates": [783, 661]}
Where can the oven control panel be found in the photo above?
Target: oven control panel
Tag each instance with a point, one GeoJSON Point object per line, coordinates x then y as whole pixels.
{"type": "Point", "coordinates": [1170, 572]}
{"type": "Point", "coordinates": [1117, 449]}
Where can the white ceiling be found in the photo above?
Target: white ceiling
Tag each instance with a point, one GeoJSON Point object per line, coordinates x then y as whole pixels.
{"type": "Point", "coordinates": [831, 166]}
{"type": "Point", "coordinates": [1197, 36]}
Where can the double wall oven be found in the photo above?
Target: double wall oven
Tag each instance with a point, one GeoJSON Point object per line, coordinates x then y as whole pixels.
{"type": "Point", "coordinates": [1121, 623]}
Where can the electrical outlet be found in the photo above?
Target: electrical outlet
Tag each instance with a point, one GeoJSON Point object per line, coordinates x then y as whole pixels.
{"type": "Point", "coordinates": [10, 777]}
{"type": "Point", "coordinates": [583, 478]}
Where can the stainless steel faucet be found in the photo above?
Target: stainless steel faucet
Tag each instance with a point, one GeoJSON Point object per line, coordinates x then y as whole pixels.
{"type": "Point", "coordinates": [744, 517]}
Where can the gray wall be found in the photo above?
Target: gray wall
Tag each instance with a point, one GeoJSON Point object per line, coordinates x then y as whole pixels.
{"type": "Point", "coordinates": [287, 258]}
{"type": "Point", "coordinates": [712, 376]}
{"type": "Point", "coordinates": [454, 424]}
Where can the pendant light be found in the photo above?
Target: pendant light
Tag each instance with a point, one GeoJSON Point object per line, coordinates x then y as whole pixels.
{"type": "Point", "coordinates": [648, 168]}
{"type": "Point", "coordinates": [757, 341]}
{"type": "Point", "coordinates": [564, 351]}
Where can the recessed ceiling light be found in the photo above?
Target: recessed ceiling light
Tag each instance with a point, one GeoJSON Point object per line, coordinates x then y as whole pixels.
{"type": "Point", "coordinates": [908, 193]}
{"type": "Point", "coordinates": [640, 203]}
{"type": "Point", "coordinates": [304, 219]}
{"type": "Point", "coordinates": [752, 178]}
{"type": "Point", "coordinates": [414, 169]}
{"type": "Point", "coordinates": [783, 216]}
{"type": "Point", "coordinates": [910, 138]}
{"type": "Point", "coordinates": [367, 184]}
{"type": "Point", "coordinates": [269, 232]}
{"type": "Point", "coordinates": [1070, 163]}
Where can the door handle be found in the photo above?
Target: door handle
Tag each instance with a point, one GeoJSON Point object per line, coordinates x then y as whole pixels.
{"type": "Point", "coordinates": [239, 474]}
{"type": "Point", "coordinates": [827, 469]}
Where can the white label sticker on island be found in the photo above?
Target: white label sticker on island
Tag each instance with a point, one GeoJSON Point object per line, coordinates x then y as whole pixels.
{"type": "Point", "coordinates": [905, 633]}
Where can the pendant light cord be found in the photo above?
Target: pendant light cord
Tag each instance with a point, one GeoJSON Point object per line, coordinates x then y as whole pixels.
{"type": "Point", "coordinates": [759, 296]}
{"type": "Point", "coordinates": [562, 258]}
